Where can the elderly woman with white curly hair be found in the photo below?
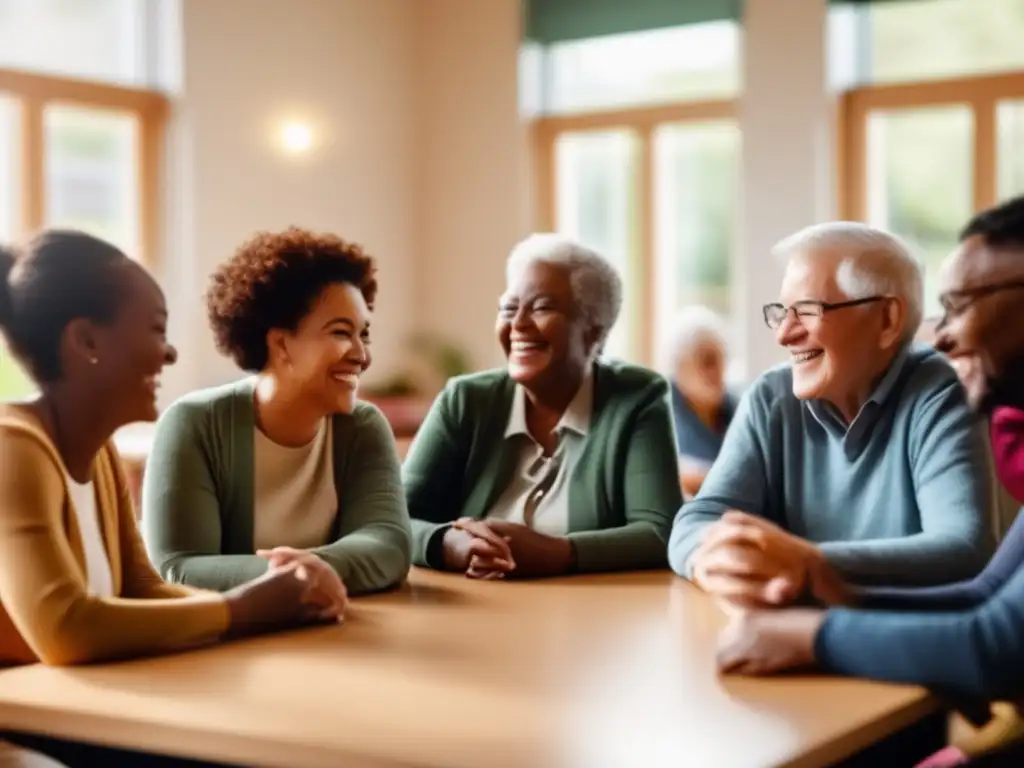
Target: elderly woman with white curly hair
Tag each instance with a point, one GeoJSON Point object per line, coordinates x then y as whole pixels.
{"type": "Point", "coordinates": [560, 462]}
{"type": "Point", "coordinates": [694, 360]}
{"type": "Point", "coordinates": [861, 452]}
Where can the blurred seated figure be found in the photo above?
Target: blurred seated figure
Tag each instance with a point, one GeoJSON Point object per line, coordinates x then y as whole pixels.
{"type": "Point", "coordinates": [694, 361]}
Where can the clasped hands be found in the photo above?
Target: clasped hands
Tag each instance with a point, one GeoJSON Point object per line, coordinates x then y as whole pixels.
{"type": "Point", "coordinates": [325, 595]}
{"type": "Point", "coordinates": [496, 549]}
{"type": "Point", "coordinates": [751, 566]}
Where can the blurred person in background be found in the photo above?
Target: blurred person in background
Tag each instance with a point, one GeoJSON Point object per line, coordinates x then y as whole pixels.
{"type": "Point", "coordinates": [695, 361]}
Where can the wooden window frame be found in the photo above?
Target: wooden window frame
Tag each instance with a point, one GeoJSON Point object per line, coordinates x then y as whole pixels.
{"type": "Point", "coordinates": [643, 122]}
{"type": "Point", "coordinates": [32, 93]}
{"type": "Point", "coordinates": [982, 94]}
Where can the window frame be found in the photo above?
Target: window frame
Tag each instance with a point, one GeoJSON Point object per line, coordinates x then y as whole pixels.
{"type": "Point", "coordinates": [32, 93]}
{"type": "Point", "coordinates": [643, 122]}
{"type": "Point", "coordinates": [982, 94]}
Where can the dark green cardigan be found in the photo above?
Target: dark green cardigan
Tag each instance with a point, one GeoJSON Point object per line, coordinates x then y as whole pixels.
{"type": "Point", "coordinates": [624, 491]}
{"type": "Point", "coordinates": [197, 497]}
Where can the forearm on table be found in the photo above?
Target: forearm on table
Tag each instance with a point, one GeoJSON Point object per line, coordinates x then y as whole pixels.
{"type": "Point", "coordinates": [371, 559]}
{"type": "Point", "coordinates": [426, 540]}
{"type": "Point", "coordinates": [920, 559]}
{"type": "Point", "coordinates": [635, 546]}
{"type": "Point", "coordinates": [948, 597]}
{"type": "Point", "coordinates": [976, 653]}
{"type": "Point", "coordinates": [687, 532]}
{"type": "Point", "coordinates": [215, 572]}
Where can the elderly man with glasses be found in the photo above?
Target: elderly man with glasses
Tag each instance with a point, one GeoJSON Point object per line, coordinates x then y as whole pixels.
{"type": "Point", "coordinates": [861, 451]}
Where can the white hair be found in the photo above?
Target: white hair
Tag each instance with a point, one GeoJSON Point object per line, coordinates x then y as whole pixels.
{"type": "Point", "coordinates": [596, 284]}
{"type": "Point", "coordinates": [872, 263]}
{"type": "Point", "coordinates": [691, 327]}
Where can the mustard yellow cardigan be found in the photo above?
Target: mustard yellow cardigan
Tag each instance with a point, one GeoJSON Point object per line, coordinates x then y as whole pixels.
{"type": "Point", "coordinates": [46, 611]}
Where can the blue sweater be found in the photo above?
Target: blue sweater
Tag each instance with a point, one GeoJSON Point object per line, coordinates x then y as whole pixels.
{"type": "Point", "coordinates": [900, 497]}
{"type": "Point", "coordinates": [694, 439]}
{"type": "Point", "coordinates": [966, 638]}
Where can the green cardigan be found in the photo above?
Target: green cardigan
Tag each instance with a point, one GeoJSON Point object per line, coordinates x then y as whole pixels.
{"type": "Point", "coordinates": [197, 497]}
{"type": "Point", "coordinates": [624, 490]}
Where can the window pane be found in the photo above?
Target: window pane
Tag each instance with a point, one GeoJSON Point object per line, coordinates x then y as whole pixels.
{"type": "Point", "coordinates": [913, 40]}
{"type": "Point", "coordinates": [920, 180]}
{"type": "Point", "coordinates": [698, 61]}
{"type": "Point", "coordinates": [596, 204]}
{"type": "Point", "coordinates": [1010, 150]}
{"type": "Point", "coordinates": [87, 39]}
{"type": "Point", "coordinates": [696, 166]}
{"type": "Point", "coordinates": [92, 173]}
{"type": "Point", "coordinates": [10, 177]}
{"type": "Point", "coordinates": [14, 384]}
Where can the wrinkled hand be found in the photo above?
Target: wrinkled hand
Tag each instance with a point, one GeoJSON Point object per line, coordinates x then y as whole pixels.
{"type": "Point", "coordinates": [472, 547]}
{"type": "Point", "coordinates": [749, 562]}
{"type": "Point", "coordinates": [535, 554]}
{"type": "Point", "coordinates": [325, 591]}
{"type": "Point", "coordinates": [531, 554]}
{"type": "Point", "coordinates": [764, 642]}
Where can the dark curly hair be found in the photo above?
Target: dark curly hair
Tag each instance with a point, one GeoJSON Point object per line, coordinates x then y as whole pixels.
{"type": "Point", "coordinates": [272, 282]}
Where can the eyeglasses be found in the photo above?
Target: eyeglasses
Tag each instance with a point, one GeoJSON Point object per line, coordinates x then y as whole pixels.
{"type": "Point", "coordinates": [955, 302]}
{"type": "Point", "coordinates": [808, 311]}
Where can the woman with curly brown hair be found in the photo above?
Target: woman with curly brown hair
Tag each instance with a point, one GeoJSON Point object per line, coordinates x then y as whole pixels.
{"type": "Point", "coordinates": [285, 462]}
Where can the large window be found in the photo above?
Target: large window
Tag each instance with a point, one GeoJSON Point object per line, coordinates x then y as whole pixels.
{"type": "Point", "coordinates": [698, 61]}
{"type": "Point", "coordinates": [921, 154]}
{"type": "Point", "coordinates": [911, 40]}
{"type": "Point", "coordinates": [97, 40]}
{"type": "Point", "coordinates": [76, 152]}
{"type": "Point", "coordinates": [652, 188]}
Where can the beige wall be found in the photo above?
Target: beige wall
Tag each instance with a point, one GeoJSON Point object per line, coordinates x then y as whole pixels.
{"type": "Point", "coordinates": [346, 66]}
{"type": "Point", "coordinates": [421, 157]}
{"type": "Point", "coordinates": [473, 163]}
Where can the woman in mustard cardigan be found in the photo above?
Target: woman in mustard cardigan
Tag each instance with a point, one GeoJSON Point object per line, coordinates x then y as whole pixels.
{"type": "Point", "coordinates": [75, 583]}
{"type": "Point", "coordinates": [560, 462]}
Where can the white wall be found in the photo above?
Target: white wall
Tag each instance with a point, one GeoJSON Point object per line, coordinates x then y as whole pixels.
{"type": "Point", "coordinates": [346, 66]}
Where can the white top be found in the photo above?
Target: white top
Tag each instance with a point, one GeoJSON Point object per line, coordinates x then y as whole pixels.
{"type": "Point", "coordinates": [538, 492]}
{"type": "Point", "coordinates": [295, 500]}
{"type": "Point", "coordinates": [97, 564]}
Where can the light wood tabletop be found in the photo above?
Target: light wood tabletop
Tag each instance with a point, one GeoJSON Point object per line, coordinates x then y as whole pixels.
{"type": "Point", "coordinates": [587, 672]}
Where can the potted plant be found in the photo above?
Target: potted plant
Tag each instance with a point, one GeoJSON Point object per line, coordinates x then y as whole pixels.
{"type": "Point", "coordinates": [405, 397]}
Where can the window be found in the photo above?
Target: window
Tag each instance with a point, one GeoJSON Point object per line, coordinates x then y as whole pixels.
{"type": "Point", "coordinates": [596, 174]}
{"type": "Point", "coordinates": [625, 181]}
{"type": "Point", "coordinates": [92, 179]}
{"type": "Point", "coordinates": [920, 155]}
{"type": "Point", "coordinates": [912, 40]}
{"type": "Point", "coordinates": [97, 40]}
{"type": "Point", "coordinates": [697, 61]}
{"type": "Point", "coordinates": [696, 169]}
{"type": "Point", "coordinates": [75, 152]}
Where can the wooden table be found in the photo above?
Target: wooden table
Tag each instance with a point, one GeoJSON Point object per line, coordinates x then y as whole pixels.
{"type": "Point", "coordinates": [586, 672]}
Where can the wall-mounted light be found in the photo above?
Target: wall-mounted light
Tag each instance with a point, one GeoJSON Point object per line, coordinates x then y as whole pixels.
{"type": "Point", "coordinates": [296, 138]}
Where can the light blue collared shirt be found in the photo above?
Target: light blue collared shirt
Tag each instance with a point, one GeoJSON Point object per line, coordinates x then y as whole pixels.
{"type": "Point", "coordinates": [900, 496]}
